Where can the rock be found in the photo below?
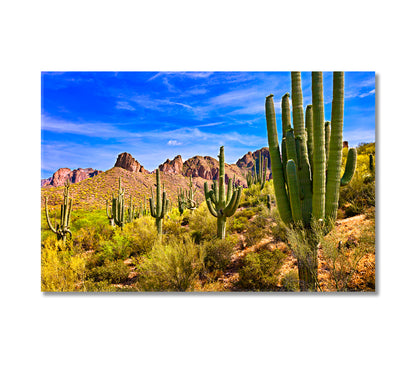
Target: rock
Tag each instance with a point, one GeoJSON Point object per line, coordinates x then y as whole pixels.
{"type": "Point", "coordinates": [172, 167]}
{"type": "Point", "coordinates": [128, 162]}
{"type": "Point", "coordinates": [62, 175]}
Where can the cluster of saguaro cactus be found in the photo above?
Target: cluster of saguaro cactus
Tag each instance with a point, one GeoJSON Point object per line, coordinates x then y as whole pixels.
{"type": "Point", "coordinates": [158, 209]}
{"type": "Point", "coordinates": [221, 203]}
{"type": "Point", "coordinates": [307, 173]}
{"type": "Point", "coordinates": [186, 199]}
{"type": "Point", "coordinates": [61, 229]}
{"type": "Point", "coordinates": [116, 215]}
{"type": "Point", "coordinates": [132, 213]}
{"type": "Point", "coordinates": [259, 174]}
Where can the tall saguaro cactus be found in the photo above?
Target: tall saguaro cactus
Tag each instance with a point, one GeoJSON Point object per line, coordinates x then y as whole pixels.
{"type": "Point", "coordinates": [158, 209]}
{"type": "Point", "coordinates": [307, 173]}
{"type": "Point", "coordinates": [116, 215]}
{"type": "Point", "coordinates": [61, 229]}
{"type": "Point", "coordinates": [222, 203]}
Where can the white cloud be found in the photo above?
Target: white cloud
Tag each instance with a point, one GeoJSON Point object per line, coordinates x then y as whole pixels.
{"type": "Point", "coordinates": [124, 105]}
{"type": "Point", "coordinates": [174, 142]}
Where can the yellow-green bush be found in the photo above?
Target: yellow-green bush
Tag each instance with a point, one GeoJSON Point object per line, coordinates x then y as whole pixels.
{"type": "Point", "coordinates": [61, 269]}
{"type": "Point", "coordinates": [203, 224]}
{"type": "Point", "coordinates": [218, 252]}
{"type": "Point", "coordinates": [174, 266]}
{"type": "Point", "coordinates": [260, 271]}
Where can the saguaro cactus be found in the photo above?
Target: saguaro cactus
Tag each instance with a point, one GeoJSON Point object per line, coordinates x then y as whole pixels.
{"type": "Point", "coordinates": [61, 229]}
{"type": "Point", "coordinates": [159, 209]}
{"type": "Point", "coordinates": [307, 176]}
{"type": "Point", "coordinates": [117, 216]}
{"type": "Point", "coordinates": [186, 199]}
{"type": "Point", "coordinates": [221, 203]}
{"type": "Point", "coordinates": [259, 174]}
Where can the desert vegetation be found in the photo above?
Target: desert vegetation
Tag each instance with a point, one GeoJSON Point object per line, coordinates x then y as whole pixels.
{"type": "Point", "coordinates": [309, 228]}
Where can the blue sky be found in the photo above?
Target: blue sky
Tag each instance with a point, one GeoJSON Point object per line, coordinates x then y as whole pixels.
{"type": "Point", "coordinates": [88, 118]}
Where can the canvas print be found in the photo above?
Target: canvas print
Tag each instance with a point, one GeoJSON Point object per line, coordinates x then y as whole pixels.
{"type": "Point", "coordinates": [208, 182]}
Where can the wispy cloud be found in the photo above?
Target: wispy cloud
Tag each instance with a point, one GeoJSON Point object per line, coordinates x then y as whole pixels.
{"type": "Point", "coordinates": [124, 106]}
{"type": "Point", "coordinates": [174, 142]}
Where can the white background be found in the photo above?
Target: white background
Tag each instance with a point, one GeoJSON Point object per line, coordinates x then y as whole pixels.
{"type": "Point", "coordinates": [206, 333]}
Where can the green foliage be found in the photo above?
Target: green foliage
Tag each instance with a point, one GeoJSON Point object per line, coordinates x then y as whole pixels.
{"type": "Point", "coordinates": [174, 266]}
{"type": "Point", "coordinates": [113, 272]}
{"type": "Point", "coordinates": [62, 271]}
{"type": "Point", "coordinates": [218, 252]}
{"type": "Point", "coordinates": [290, 281]}
{"type": "Point", "coordinates": [202, 224]}
{"type": "Point", "coordinates": [260, 271]}
{"type": "Point", "coordinates": [257, 229]}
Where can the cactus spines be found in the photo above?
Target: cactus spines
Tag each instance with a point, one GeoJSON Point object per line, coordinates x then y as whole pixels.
{"type": "Point", "coordinates": [158, 209]}
{"type": "Point", "coordinates": [221, 203]}
{"type": "Point", "coordinates": [117, 214]}
{"type": "Point", "coordinates": [61, 229]}
{"type": "Point", "coordinates": [307, 176]}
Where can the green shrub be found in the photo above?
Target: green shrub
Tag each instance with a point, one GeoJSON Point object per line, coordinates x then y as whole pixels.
{"type": "Point", "coordinates": [290, 281]}
{"type": "Point", "coordinates": [218, 252]}
{"type": "Point", "coordinates": [61, 269]}
{"type": "Point", "coordinates": [260, 271]}
{"type": "Point", "coordinates": [257, 229]}
{"type": "Point", "coordinates": [203, 224]}
{"type": "Point", "coordinates": [239, 224]}
{"type": "Point", "coordinates": [113, 272]}
{"type": "Point", "coordinates": [171, 267]}
{"type": "Point", "coordinates": [141, 234]}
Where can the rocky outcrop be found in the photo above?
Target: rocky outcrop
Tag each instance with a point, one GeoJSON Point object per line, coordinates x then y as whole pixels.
{"type": "Point", "coordinates": [74, 176]}
{"type": "Point", "coordinates": [247, 161]}
{"type": "Point", "coordinates": [205, 167]}
{"type": "Point", "coordinates": [172, 167]}
{"type": "Point", "coordinates": [128, 162]}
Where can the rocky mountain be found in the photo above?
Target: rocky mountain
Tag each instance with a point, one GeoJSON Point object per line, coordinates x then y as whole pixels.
{"type": "Point", "coordinates": [62, 175]}
{"type": "Point", "coordinates": [128, 162]}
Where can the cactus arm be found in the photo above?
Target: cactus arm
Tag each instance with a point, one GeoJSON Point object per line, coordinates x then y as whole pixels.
{"type": "Point", "coordinates": [221, 181]}
{"type": "Point", "coordinates": [152, 208]}
{"type": "Point", "coordinates": [293, 184]}
{"type": "Point", "coordinates": [309, 131]}
{"type": "Point", "coordinates": [276, 162]}
{"type": "Point", "coordinates": [319, 158]}
{"type": "Point", "coordinates": [327, 139]}
{"type": "Point", "coordinates": [211, 208]}
{"type": "Point", "coordinates": [233, 205]}
{"type": "Point", "coordinates": [165, 204]}
{"type": "Point", "coordinates": [158, 195]}
{"type": "Point", "coordinates": [286, 126]}
{"type": "Point", "coordinates": [47, 216]}
{"type": "Point", "coordinates": [230, 190]}
{"type": "Point", "coordinates": [349, 167]}
{"type": "Point", "coordinates": [297, 104]}
{"type": "Point", "coordinates": [335, 148]}
{"type": "Point", "coordinates": [291, 147]}
{"type": "Point", "coordinates": [284, 157]}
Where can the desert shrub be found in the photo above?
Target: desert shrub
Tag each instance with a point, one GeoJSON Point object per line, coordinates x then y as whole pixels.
{"type": "Point", "coordinates": [61, 269]}
{"type": "Point", "coordinates": [173, 227]}
{"type": "Point", "coordinates": [348, 262]}
{"type": "Point", "coordinates": [171, 267]}
{"type": "Point", "coordinates": [260, 271]}
{"type": "Point", "coordinates": [141, 234]}
{"type": "Point", "coordinates": [203, 224]}
{"type": "Point", "coordinates": [290, 281]}
{"type": "Point", "coordinates": [112, 272]}
{"type": "Point", "coordinates": [257, 229]}
{"type": "Point", "coordinates": [218, 252]}
{"type": "Point", "coordinates": [239, 224]}
{"type": "Point", "coordinates": [278, 229]}
{"type": "Point", "coordinates": [245, 213]}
